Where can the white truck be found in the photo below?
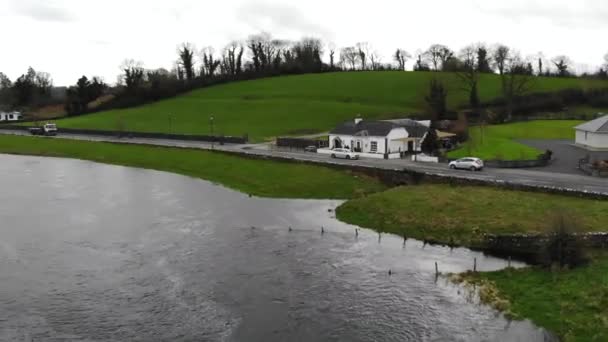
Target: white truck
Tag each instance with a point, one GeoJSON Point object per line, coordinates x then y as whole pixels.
{"type": "Point", "coordinates": [46, 129]}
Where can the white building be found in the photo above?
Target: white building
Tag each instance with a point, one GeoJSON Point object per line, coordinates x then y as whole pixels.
{"type": "Point", "coordinates": [388, 139]}
{"type": "Point", "coordinates": [12, 116]}
{"type": "Point", "coordinates": [593, 135]}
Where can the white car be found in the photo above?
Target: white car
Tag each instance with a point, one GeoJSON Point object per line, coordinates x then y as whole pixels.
{"type": "Point", "coordinates": [469, 163]}
{"type": "Point", "coordinates": [343, 153]}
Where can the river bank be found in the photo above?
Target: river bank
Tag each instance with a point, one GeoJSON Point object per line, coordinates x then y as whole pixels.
{"type": "Point", "coordinates": [120, 254]}
{"type": "Point", "coordinates": [455, 215]}
{"type": "Point", "coordinates": [251, 176]}
{"type": "Point", "coordinates": [571, 303]}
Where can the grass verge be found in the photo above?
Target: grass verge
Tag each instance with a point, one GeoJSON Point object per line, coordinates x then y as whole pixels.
{"type": "Point", "coordinates": [572, 303]}
{"type": "Point", "coordinates": [499, 141]}
{"type": "Point", "coordinates": [257, 177]}
{"type": "Point", "coordinates": [463, 214]}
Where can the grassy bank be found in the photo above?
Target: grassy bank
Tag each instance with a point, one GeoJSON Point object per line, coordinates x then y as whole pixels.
{"type": "Point", "coordinates": [499, 141]}
{"type": "Point", "coordinates": [572, 304]}
{"type": "Point", "coordinates": [463, 214]}
{"type": "Point", "coordinates": [299, 104]}
{"type": "Point", "coordinates": [257, 177]}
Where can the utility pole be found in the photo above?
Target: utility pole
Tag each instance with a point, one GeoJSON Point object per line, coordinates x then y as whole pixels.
{"type": "Point", "coordinates": [212, 136]}
{"type": "Point", "coordinates": [170, 124]}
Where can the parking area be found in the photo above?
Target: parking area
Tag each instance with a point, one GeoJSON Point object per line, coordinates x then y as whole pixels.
{"type": "Point", "coordinates": [565, 154]}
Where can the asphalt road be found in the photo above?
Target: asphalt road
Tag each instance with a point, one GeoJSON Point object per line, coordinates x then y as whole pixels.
{"type": "Point", "coordinates": [526, 177]}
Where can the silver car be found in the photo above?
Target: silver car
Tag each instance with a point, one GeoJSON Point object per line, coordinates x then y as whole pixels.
{"type": "Point", "coordinates": [343, 153]}
{"type": "Point", "coordinates": [469, 163]}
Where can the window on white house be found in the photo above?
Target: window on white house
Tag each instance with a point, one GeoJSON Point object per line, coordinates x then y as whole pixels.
{"type": "Point", "coordinates": [374, 146]}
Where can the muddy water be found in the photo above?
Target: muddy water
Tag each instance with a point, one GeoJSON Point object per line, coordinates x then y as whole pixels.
{"type": "Point", "coordinates": [92, 252]}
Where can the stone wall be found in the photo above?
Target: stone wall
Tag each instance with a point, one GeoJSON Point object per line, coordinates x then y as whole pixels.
{"type": "Point", "coordinates": [527, 247]}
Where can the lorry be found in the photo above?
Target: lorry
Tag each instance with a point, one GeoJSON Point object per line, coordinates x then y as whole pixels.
{"type": "Point", "coordinates": [46, 129]}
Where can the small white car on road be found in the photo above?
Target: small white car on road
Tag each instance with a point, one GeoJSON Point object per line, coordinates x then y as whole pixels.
{"type": "Point", "coordinates": [343, 153]}
{"type": "Point", "coordinates": [469, 163]}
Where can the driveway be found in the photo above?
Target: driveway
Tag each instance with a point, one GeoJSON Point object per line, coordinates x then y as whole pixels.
{"type": "Point", "coordinates": [565, 154]}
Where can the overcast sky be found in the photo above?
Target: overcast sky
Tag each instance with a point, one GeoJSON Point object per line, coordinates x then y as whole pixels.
{"type": "Point", "coordinates": [69, 38]}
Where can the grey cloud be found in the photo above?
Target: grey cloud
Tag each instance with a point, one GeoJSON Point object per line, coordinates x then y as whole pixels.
{"type": "Point", "coordinates": [43, 10]}
{"type": "Point", "coordinates": [278, 17]}
{"type": "Point", "coordinates": [567, 13]}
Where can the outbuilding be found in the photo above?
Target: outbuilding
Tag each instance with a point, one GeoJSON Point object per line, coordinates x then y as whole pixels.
{"type": "Point", "coordinates": [11, 116]}
{"type": "Point", "coordinates": [593, 135]}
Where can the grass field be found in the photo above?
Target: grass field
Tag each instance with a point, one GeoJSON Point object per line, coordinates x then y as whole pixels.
{"type": "Point", "coordinates": [292, 105]}
{"type": "Point", "coordinates": [256, 177]}
{"type": "Point", "coordinates": [498, 141]}
{"type": "Point", "coordinates": [571, 303]}
{"type": "Point", "coordinates": [463, 214]}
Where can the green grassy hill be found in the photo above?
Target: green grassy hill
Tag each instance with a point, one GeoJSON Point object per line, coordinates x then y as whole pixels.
{"type": "Point", "coordinates": [292, 105]}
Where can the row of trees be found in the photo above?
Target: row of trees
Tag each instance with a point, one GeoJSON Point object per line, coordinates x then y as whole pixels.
{"type": "Point", "coordinates": [488, 60]}
{"type": "Point", "coordinates": [262, 55]}
{"type": "Point", "coordinates": [516, 76]}
{"type": "Point", "coordinates": [84, 92]}
{"type": "Point", "coordinates": [30, 89]}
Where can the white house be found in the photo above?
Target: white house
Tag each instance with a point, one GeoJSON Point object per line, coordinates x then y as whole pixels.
{"type": "Point", "coordinates": [388, 139]}
{"type": "Point", "coordinates": [12, 116]}
{"type": "Point", "coordinates": [593, 135]}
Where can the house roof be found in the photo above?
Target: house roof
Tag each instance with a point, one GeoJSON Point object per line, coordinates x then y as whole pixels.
{"type": "Point", "coordinates": [373, 128]}
{"type": "Point", "coordinates": [380, 128]}
{"type": "Point", "coordinates": [599, 125]}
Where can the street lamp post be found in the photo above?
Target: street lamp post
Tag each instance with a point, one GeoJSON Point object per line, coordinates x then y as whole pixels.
{"type": "Point", "coordinates": [212, 136]}
{"type": "Point", "coordinates": [170, 124]}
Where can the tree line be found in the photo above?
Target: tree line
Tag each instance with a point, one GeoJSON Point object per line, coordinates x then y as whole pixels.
{"type": "Point", "coordinates": [31, 89]}
{"type": "Point", "coordinates": [262, 55]}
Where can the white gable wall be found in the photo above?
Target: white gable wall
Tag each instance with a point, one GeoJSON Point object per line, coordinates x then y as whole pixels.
{"type": "Point", "coordinates": [396, 146]}
{"type": "Point", "coordinates": [14, 116]}
{"type": "Point", "coordinates": [592, 139]}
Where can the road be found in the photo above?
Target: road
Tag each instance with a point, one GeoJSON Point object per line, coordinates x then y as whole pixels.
{"type": "Point", "coordinates": [523, 177]}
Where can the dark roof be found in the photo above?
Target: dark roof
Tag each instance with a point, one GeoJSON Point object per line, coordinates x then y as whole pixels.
{"type": "Point", "coordinates": [380, 128]}
{"type": "Point", "coordinates": [364, 128]}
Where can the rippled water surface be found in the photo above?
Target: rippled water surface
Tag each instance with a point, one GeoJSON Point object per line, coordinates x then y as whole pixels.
{"type": "Point", "coordinates": [92, 252]}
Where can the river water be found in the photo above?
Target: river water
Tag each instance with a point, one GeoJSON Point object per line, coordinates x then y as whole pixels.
{"type": "Point", "coordinates": [92, 252]}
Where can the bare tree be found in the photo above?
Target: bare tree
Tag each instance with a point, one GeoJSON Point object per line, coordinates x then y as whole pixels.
{"type": "Point", "coordinates": [469, 75]}
{"type": "Point", "coordinates": [186, 59]}
{"type": "Point", "coordinates": [209, 63]}
{"type": "Point", "coordinates": [562, 63]}
{"type": "Point", "coordinates": [349, 57]}
{"type": "Point", "coordinates": [232, 58]}
{"type": "Point", "coordinates": [363, 51]}
{"type": "Point", "coordinates": [332, 55]}
{"type": "Point", "coordinates": [401, 57]}
{"type": "Point", "coordinates": [540, 62]}
{"type": "Point", "coordinates": [44, 82]}
{"type": "Point", "coordinates": [262, 49]}
{"type": "Point", "coordinates": [375, 59]}
{"type": "Point", "coordinates": [438, 55]}
{"type": "Point", "coordinates": [133, 75]}
{"type": "Point", "coordinates": [500, 57]}
{"type": "Point", "coordinates": [516, 81]}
